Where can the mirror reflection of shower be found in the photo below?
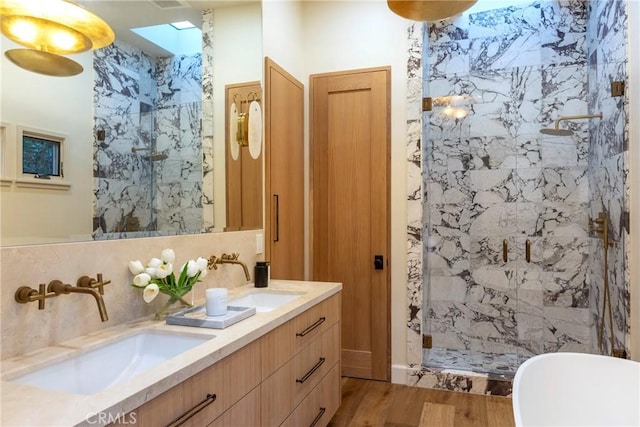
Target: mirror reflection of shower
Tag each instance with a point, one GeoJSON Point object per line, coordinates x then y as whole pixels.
{"type": "Point", "coordinates": [556, 131]}
{"type": "Point", "coordinates": [154, 156]}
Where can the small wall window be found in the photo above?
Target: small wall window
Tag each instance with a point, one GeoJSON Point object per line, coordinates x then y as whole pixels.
{"type": "Point", "coordinates": [41, 156]}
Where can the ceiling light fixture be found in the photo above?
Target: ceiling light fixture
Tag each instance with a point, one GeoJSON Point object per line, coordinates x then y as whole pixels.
{"type": "Point", "coordinates": [429, 10]}
{"type": "Point", "coordinates": [49, 29]}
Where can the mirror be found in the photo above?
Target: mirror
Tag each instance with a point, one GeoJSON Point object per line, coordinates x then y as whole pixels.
{"type": "Point", "coordinates": [157, 166]}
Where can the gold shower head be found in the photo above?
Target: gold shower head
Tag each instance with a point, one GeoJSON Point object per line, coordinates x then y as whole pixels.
{"type": "Point", "coordinates": [556, 131]}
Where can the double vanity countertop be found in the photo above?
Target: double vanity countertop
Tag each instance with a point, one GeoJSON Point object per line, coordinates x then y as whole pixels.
{"type": "Point", "coordinates": [24, 405]}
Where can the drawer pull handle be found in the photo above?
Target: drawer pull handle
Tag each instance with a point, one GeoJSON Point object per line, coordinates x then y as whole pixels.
{"type": "Point", "coordinates": [199, 407]}
{"type": "Point", "coordinates": [318, 417]}
{"type": "Point", "coordinates": [308, 374]}
{"type": "Point", "coordinates": [317, 323]}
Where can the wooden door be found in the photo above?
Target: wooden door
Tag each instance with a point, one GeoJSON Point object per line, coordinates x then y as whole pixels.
{"type": "Point", "coordinates": [284, 177]}
{"type": "Point", "coordinates": [350, 227]}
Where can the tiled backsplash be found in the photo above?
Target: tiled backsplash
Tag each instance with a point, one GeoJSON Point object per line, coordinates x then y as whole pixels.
{"type": "Point", "coordinates": [25, 328]}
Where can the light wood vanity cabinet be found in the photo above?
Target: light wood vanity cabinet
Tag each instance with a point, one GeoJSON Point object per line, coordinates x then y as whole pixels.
{"type": "Point", "coordinates": [299, 358]}
{"type": "Point", "coordinates": [291, 375]}
{"type": "Point", "coordinates": [201, 399]}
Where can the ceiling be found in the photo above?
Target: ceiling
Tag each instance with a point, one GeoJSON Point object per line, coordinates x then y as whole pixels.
{"type": "Point", "coordinates": [124, 15]}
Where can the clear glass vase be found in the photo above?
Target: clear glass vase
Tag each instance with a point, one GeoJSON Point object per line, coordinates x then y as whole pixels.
{"type": "Point", "coordinates": [173, 305]}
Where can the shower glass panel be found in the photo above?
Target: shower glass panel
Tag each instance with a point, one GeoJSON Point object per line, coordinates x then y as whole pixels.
{"type": "Point", "coordinates": [148, 152]}
{"type": "Point", "coordinates": [505, 235]}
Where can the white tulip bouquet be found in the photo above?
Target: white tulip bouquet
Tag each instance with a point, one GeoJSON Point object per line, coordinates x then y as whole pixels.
{"type": "Point", "coordinates": [158, 276]}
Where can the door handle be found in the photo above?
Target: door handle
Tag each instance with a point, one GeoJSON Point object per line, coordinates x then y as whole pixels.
{"type": "Point", "coordinates": [527, 250]}
{"type": "Point", "coordinates": [378, 262]}
{"type": "Point", "coordinates": [505, 250]}
{"type": "Point", "coordinates": [276, 216]}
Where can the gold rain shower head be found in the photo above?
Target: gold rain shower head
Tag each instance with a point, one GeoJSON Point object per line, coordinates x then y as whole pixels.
{"type": "Point", "coordinates": [556, 131]}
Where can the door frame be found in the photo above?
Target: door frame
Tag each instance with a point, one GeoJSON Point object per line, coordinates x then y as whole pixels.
{"type": "Point", "coordinates": [312, 195]}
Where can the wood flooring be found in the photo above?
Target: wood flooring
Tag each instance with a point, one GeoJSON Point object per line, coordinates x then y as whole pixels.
{"type": "Point", "coordinates": [375, 403]}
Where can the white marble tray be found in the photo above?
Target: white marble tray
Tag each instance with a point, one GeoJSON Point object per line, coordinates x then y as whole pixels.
{"type": "Point", "coordinates": [197, 316]}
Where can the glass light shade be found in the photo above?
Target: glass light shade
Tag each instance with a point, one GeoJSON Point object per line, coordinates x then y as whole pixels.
{"type": "Point", "coordinates": [429, 10]}
{"type": "Point", "coordinates": [54, 26]}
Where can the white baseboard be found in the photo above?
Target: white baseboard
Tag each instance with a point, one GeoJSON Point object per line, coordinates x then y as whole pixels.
{"type": "Point", "coordinates": [399, 374]}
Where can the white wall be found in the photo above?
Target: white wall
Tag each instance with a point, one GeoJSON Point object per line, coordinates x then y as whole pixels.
{"type": "Point", "coordinates": [282, 36]}
{"type": "Point", "coordinates": [634, 165]}
{"type": "Point", "coordinates": [62, 105]}
{"type": "Point", "coordinates": [343, 35]}
{"type": "Point", "coordinates": [237, 58]}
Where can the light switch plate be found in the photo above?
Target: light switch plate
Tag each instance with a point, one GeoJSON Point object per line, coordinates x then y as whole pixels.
{"type": "Point", "coordinates": [259, 243]}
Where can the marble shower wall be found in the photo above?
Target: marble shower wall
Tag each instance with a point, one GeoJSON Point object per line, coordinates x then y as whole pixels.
{"type": "Point", "coordinates": [141, 102]}
{"type": "Point", "coordinates": [490, 177]}
{"type": "Point", "coordinates": [608, 166]}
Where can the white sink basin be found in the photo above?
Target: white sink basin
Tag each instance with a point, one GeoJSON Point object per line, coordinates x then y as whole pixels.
{"type": "Point", "coordinates": [574, 389]}
{"type": "Point", "coordinates": [113, 363]}
{"type": "Point", "coordinates": [264, 301]}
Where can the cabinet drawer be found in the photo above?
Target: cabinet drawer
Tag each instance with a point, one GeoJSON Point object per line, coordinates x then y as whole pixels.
{"type": "Point", "coordinates": [314, 361]}
{"type": "Point", "coordinates": [193, 403]}
{"type": "Point", "coordinates": [230, 379]}
{"type": "Point", "coordinates": [246, 412]}
{"type": "Point", "coordinates": [277, 396]}
{"type": "Point", "coordinates": [320, 405]}
{"type": "Point", "coordinates": [158, 411]}
{"type": "Point", "coordinates": [312, 323]}
{"type": "Point", "coordinates": [277, 348]}
{"type": "Point", "coordinates": [290, 384]}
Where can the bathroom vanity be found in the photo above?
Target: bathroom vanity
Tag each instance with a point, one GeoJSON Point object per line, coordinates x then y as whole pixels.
{"type": "Point", "coordinates": [279, 367]}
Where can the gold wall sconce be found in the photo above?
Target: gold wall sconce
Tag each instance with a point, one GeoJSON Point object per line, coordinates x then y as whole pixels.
{"type": "Point", "coordinates": [49, 29]}
{"type": "Point", "coordinates": [243, 157]}
{"type": "Point", "coordinates": [245, 124]}
{"type": "Point", "coordinates": [454, 106]}
{"type": "Point", "coordinates": [429, 10]}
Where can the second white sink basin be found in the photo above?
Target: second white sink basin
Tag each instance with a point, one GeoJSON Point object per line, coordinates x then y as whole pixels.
{"type": "Point", "coordinates": [98, 369]}
{"type": "Point", "coordinates": [264, 301]}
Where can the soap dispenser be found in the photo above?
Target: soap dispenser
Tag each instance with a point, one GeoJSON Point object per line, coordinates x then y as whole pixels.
{"type": "Point", "coordinates": [261, 274]}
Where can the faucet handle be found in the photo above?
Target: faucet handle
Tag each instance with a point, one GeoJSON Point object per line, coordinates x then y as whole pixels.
{"type": "Point", "coordinates": [233, 257]}
{"type": "Point", "coordinates": [89, 282]}
{"type": "Point", "coordinates": [25, 294]}
{"type": "Point", "coordinates": [212, 263]}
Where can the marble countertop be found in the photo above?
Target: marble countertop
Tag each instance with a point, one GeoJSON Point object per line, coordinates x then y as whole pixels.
{"type": "Point", "coordinates": [24, 405]}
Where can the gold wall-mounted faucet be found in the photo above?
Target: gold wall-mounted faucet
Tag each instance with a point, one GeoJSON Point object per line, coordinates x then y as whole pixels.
{"type": "Point", "coordinates": [85, 285]}
{"type": "Point", "coordinates": [214, 261]}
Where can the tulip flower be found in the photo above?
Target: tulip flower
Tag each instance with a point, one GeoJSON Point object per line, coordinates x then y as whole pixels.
{"type": "Point", "coordinates": [150, 292]}
{"type": "Point", "coordinates": [136, 267]}
{"type": "Point", "coordinates": [155, 263]}
{"type": "Point", "coordinates": [141, 279]}
{"type": "Point", "coordinates": [164, 270]}
{"type": "Point", "coordinates": [192, 268]}
{"type": "Point", "coordinates": [168, 256]}
{"type": "Point", "coordinates": [202, 265]}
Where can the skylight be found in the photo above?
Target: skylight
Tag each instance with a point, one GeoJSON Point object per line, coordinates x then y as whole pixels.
{"type": "Point", "coordinates": [179, 38]}
{"type": "Point", "coordinates": [182, 25]}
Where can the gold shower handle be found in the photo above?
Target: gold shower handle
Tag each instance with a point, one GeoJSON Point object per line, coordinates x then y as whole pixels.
{"type": "Point", "coordinates": [505, 250]}
{"type": "Point", "coordinates": [527, 250]}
